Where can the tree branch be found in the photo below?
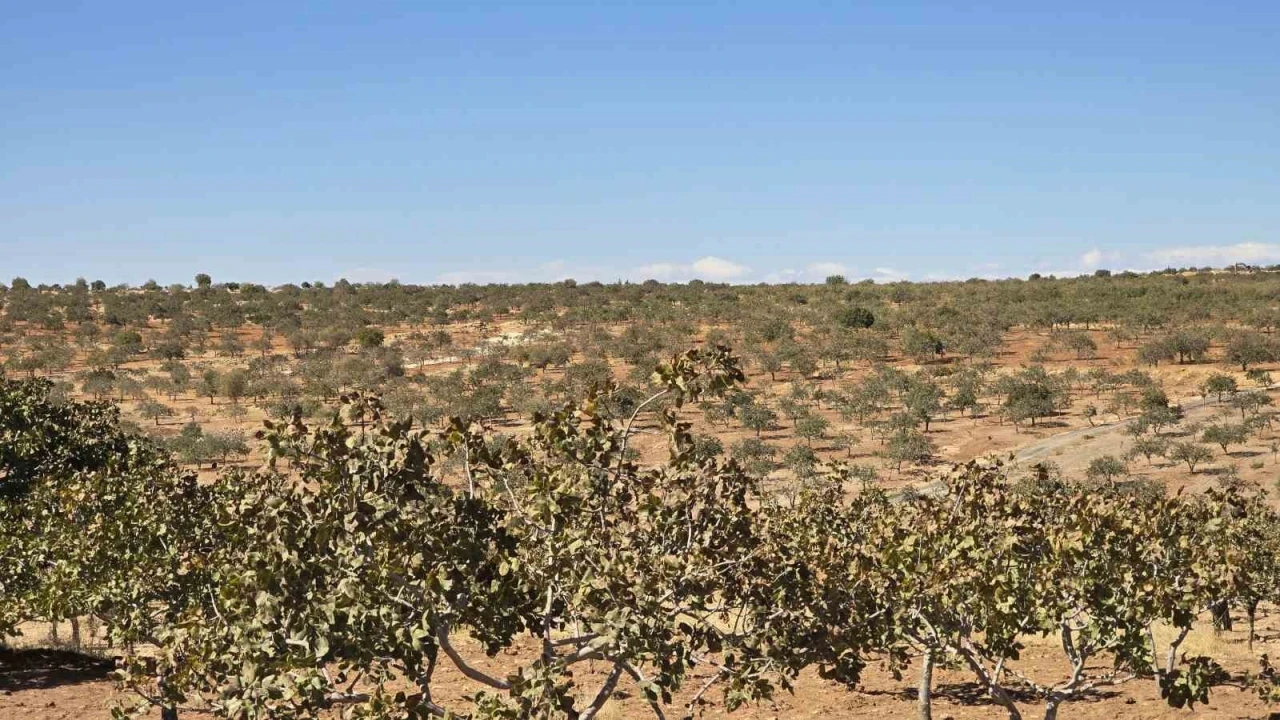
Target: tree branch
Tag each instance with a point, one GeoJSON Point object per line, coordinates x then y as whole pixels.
{"type": "Point", "coordinates": [606, 691]}
{"type": "Point", "coordinates": [442, 637]}
{"type": "Point", "coordinates": [640, 679]}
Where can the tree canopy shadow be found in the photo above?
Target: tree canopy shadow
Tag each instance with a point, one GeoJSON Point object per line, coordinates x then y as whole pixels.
{"type": "Point", "coordinates": [43, 668]}
{"type": "Point", "coordinates": [972, 694]}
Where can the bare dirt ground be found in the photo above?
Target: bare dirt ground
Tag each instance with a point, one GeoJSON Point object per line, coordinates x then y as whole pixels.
{"type": "Point", "coordinates": [59, 685]}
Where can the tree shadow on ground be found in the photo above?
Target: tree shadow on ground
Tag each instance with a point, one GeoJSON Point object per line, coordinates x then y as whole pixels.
{"type": "Point", "coordinates": [43, 668]}
{"type": "Point", "coordinates": [974, 694]}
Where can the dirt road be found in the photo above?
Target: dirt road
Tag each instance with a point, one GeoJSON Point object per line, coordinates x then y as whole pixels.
{"type": "Point", "coordinates": [1073, 450]}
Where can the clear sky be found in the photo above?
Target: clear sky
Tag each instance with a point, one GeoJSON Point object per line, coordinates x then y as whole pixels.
{"type": "Point", "coordinates": [450, 141]}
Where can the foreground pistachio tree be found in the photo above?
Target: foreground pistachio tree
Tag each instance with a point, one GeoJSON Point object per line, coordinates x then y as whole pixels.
{"type": "Point", "coordinates": [972, 573]}
{"type": "Point", "coordinates": [351, 577]}
{"type": "Point", "coordinates": [368, 567]}
{"type": "Point", "coordinates": [91, 517]}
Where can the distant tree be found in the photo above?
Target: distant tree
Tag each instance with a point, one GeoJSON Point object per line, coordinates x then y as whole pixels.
{"type": "Point", "coordinates": [1218, 384]}
{"type": "Point", "coordinates": [854, 317]}
{"type": "Point", "coordinates": [755, 455]}
{"type": "Point", "coordinates": [265, 342]}
{"type": "Point", "coordinates": [1250, 402]}
{"type": "Point", "coordinates": [966, 394]}
{"type": "Point", "coordinates": [1189, 345]}
{"type": "Point", "coordinates": [757, 417]}
{"type": "Point", "coordinates": [770, 363]}
{"type": "Point", "coordinates": [1029, 395]}
{"type": "Point", "coordinates": [1149, 446]}
{"type": "Point", "coordinates": [230, 345]}
{"type": "Point", "coordinates": [812, 427]}
{"type": "Point", "coordinates": [169, 349]}
{"type": "Point", "coordinates": [1106, 468]}
{"type": "Point", "coordinates": [1249, 348]}
{"type": "Point", "coordinates": [923, 399]}
{"type": "Point", "coordinates": [801, 460]}
{"type": "Point", "coordinates": [1190, 453]}
{"type": "Point", "coordinates": [203, 280]}
{"type": "Point", "coordinates": [154, 410]}
{"type": "Point", "coordinates": [1259, 377]}
{"type": "Point", "coordinates": [1153, 352]}
{"type": "Point", "coordinates": [129, 387]}
{"type": "Point", "coordinates": [98, 382]}
{"type": "Point", "coordinates": [1081, 344]}
{"type": "Point", "coordinates": [210, 384]}
{"type": "Point", "coordinates": [846, 442]}
{"type": "Point", "coordinates": [234, 384]}
{"type": "Point", "coordinates": [127, 341]}
{"type": "Point", "coordinates": [800, 360]}
{"type": "Point", "coordinates": [179, 373]}
{"type": "Point", "coordinates": [908, 445]}
{"type": "Point", "coordinates": [708, 446]}
{"type": "Point", "coordinates": [921, 345]}
{"type": "Point", "coordinates": [370, 337]}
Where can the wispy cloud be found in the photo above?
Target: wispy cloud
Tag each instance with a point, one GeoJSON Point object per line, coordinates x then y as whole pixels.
{"type": "Point", "coordinates": [889, 274]}
{"type": "Point", "coordinates": [822, 270]}
{"type": "Point", "coordinates": [711, 268]}
{"type": "Point", "coordinates": [719, 269]}
{"type": "Point", "coordinates": [714, 268]}
{"type": "Point", "coordinates": [367, 275]}
{"type": "Point", "coordinates": [1217, 255]}
{"type": "Point", "coordinates": [551, 271]}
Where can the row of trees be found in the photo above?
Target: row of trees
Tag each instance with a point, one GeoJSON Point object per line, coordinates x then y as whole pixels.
{"type": "Point", "coordinates": [343, 573]}
{"type": "Point", "coordinates": [799, 326]}
{"type": "Point", "coordinates": [1150, 300]}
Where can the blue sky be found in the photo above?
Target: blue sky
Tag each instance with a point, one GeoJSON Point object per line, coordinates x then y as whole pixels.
{"type": "Point", "coordinates": [737, 141]}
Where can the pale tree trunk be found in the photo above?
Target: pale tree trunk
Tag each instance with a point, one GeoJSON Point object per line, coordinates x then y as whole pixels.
{"type": "Point", "coordinates": [925, 694]}
{"type": "Point", "coordinates": [1253, 616]}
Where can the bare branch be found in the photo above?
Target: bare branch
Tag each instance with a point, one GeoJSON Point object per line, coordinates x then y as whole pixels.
{"type": "Point", "coordinates": [640, 679]}
{"type": "Point", "coordinates": [606, 691]}
{"type": "Point", "coordinates": [442, 637]}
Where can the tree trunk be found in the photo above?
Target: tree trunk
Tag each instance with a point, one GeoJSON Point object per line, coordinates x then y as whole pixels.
{"type": "Point", "coordinates": [1221, 616]}
{"type": "Point", "coordinates": [75, 632]}
{"type": "Point", "coordinates": [1253, 616]}
{"type": "Point", "coordinates": [169, 713]}
{"type": "Point", "coordinates": [1051, 708]}
{"type": "Point", "coordinates": [925, 694]}
{"type": "Point", "coordinates": [997, 693]}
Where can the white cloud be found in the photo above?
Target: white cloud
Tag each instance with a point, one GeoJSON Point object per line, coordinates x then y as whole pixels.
{"type": "Point", "coordinates": [1077, 272]}
{"type": "Point", "coordinates": [550, 271]}
{"type": "Point", "coordinates": [710, 268]}
{"type": "Point", "coordinates": [714, 268]}
{"type": "Point", "coordinates": [889, 274]}
{"type": "Point", "coordinates": [661, 271]}
{"type": "Point", "coordinates": [1096, 258]}
{"type": "Point", "coordinates": [783, 276]}
{"type": "Point", "coordinates": [367, 275]}
{"type": "Point", "coordinates": [822, 270]}
{"type": "Point", "coordinates": [1217, 255]}
{"type": "Point", "coordinates": [479, 277]}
